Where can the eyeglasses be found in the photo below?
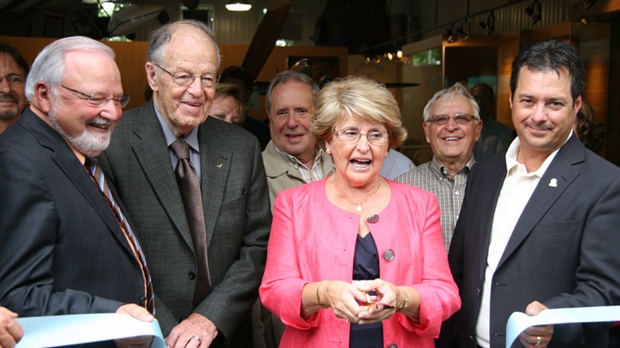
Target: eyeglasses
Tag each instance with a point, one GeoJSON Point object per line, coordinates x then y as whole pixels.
{"type": "Point", "coordinates": [352, 136]}
{"type": "Point", "coordinates": [460, 119]}
{"type": "Point", "coordinates": [13, 80]}
{"type": "Point", "coordinates": [99, 101]}
{"type": "Point", "coordinates": [185, 79]}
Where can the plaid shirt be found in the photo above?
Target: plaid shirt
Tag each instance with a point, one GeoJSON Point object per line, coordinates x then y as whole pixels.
{"type": "Point", "coordinates": [433, 177]}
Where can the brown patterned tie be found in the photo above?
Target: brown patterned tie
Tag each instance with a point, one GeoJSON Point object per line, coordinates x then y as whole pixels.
{"type": "Point", "coordinates": [97, 175]}
{"type": "Point", "coordinates": [189, 185]}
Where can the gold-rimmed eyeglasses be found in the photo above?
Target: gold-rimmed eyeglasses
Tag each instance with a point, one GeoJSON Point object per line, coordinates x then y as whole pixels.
{"type": "Point", "coordinates": [185, 79]}
{"type": "Point", "coordinates": [460, 119]}
{"type": "Point", "coordinates": [352, 136]}
{"type": "Point", "coordinates": [99, 100]}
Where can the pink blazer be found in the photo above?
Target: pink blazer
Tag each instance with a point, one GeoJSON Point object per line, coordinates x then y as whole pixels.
{"type": "Point", "coordinates": [313, 240]}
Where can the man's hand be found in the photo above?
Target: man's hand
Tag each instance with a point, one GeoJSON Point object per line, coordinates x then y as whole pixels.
{"type": "Point", "coordinates": [195, 331]}
{"type": "Point", "coordinates": [10, 331]}
{"type": "Point", "coordinates": [140, 313]}
{"type": "Point", "coordinates": [536, 336]}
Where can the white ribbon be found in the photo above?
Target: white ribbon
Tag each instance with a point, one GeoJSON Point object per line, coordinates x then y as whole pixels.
{"type": "Point", "coordinates": [520, 321]}
{"type": "Point", "coordinates": [63, 330]}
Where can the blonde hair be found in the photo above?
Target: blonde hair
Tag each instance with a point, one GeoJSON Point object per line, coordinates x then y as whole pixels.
{"type": "Point", "coordinates": [359, 97]}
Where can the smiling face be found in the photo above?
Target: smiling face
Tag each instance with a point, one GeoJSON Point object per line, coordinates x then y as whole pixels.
{"type": "Point", "coordinates": [358, 163]}
{"type": "Point", "coordinates": [12, 95]}
{"type": "Point", "coordinates": [184, 107]}
{"type": "Point", "coordinates": [452, 144]}
{"type": "Point", "coordinates": [291, 112]}
{"type": "Point", "coordinates": [542, 110]}
{"type": "Point", "coordinates": [87, 128]}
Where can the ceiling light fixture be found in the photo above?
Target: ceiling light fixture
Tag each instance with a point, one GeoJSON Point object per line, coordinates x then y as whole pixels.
{"type": "Point", "coordinates": [534, 12]}
{"type": "Point", "coordinates": [464, 30]}
{"type": "Point", "coordinates": [489, 26]}
{"type": "Point", "coordinates": [451, 35]}
{"type": "Point", "coordinates": [238, 6]}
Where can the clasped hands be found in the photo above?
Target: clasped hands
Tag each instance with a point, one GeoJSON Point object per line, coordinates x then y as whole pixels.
{"type": "Point", "coordinates": [366, 303]}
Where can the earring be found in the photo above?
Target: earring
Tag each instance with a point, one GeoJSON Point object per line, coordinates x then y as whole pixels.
{"type": "Point", "coordinates": [328, 151]}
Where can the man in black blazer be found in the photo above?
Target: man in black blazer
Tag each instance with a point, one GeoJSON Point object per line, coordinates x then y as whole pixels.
{"type": "Point", "coordinates": [63, 251]}
{"type": "Point", "coordinates": [539, 224]}
{"type": "Point", "coordinates": [182, 71]}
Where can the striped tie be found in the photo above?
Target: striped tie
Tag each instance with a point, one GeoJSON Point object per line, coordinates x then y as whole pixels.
{"type": "Point", "coordinates": [98, 177]}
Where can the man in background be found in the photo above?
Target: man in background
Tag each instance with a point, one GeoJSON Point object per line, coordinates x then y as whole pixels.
{"type": "Point", "coordinates": [195, 188]}
{"type": "Point", "coordinates": [292, 158]}
{"type": "Point", "coordinates": [539, 226]}
{"type": "Point", "coordinates": [13, 72]}
{"type": "Point", "coordinates": [452, 127]}
{"type": "Point", "coordinates": [495, 136]}
{"type": "Point", "coordinates": [241, 77]}
{"type": "Point", "coordinates": [66, 246]}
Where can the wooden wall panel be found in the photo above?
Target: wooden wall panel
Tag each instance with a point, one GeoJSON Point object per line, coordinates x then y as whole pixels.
{"type": "Point", "coordinates": [131, 57]}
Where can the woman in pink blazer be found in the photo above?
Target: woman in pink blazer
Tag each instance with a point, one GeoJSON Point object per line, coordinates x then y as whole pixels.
{"type": "Point", "coordinates": [356, 260]}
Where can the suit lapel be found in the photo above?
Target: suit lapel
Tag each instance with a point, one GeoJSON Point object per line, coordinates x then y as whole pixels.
{"type": "Point", "coordinates": [154, 159]}
{"type": "Point", "coordinates": [215, 166]}
{"type": "Point", "coordinates": [75, 172]}
{"type": "Point", "coordinates": [556, 179]}
{"type": "Point", "coordinates": [493, 180]}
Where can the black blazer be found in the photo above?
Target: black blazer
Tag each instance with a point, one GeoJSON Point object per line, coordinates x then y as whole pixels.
{"type": "Point", "coordinates": [563, 252]}
{"type": "Point", "coordinates": [62, 250]}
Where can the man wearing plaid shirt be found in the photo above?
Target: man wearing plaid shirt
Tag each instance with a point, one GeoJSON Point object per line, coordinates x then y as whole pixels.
{"type": "Point", "coordinates": [452, 126]}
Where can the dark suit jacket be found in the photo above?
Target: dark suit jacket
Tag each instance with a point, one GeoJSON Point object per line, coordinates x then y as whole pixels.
{"type": "Point", "coordinates": [236, 205]}
{"type": "Point", "coordinates": [62, 250]}
{"type": "Point", "coordinates": [563, 251]}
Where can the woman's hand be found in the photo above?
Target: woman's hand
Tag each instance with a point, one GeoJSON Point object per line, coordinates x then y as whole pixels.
{"type": "Point", "coordinates": [384, 304]}
{"type": "Point", "coordinates": [344, 299]}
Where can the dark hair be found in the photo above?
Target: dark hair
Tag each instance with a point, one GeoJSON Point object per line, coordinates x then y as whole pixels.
{"type": "Point", "coordinates": [588, 129]}
{"type": "Point", "coordinates": [238, 72]}
{"type": "Point", "coordinates": [552, 55]}
{"type": "Point", "coordinates": [16, 55]}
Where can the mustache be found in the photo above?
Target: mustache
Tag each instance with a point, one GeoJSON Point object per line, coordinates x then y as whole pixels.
{"type": "Point", "coordinates": [8, 97]}
{"type": "Point", "coordinates": [541, 126]}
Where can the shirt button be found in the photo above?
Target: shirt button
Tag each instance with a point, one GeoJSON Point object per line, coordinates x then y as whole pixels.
{"type": "Point", "coordinates": [456, 193]}
{"type": "Point", "coordinates": [191, 275]}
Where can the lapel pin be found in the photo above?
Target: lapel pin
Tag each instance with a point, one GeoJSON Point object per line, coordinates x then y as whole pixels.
{"type": "Point", "coordinates": [220, 165]}
{"type": "Point", "coordinates": [553, 182]}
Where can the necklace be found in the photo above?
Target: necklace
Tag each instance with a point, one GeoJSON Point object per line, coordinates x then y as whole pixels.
{"type": "Point", "coordinates": [359, 205]}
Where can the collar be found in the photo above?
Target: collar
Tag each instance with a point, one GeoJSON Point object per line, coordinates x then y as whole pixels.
{"type": "Point", "coordinates": [512, 163]}
{"type": "Point", "coordinates": [296, 163]}
{"type": "Point", "coordinates": [441, 172]}
{"type": "Point", "coordinates": [191, 138]}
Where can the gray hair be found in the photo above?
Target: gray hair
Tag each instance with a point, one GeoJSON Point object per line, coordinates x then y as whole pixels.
{"type": "Point", "coordinates": [49, 66]}
{"type": "Point", "coordinates": [287, 76]}
{"type": "Point", "coordinates": [447, 93]}
{"type": "Point", "coordinates": [161, 36]}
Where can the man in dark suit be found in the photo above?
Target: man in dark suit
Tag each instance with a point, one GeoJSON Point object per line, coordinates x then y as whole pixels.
{"type": "Point", "coordinates": [63, 250]}
{"type": "Point", "coordinates": [182, 67]}
{"type": "Point", "coordinates": [539, 224]}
